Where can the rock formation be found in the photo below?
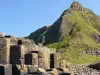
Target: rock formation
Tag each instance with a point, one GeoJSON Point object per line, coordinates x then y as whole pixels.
{"type": "Point", "coordinates": [20, 56]}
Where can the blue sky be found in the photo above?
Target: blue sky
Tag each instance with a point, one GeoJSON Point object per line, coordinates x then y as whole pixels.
{"type": "Point", "coordinates": [21, 17]}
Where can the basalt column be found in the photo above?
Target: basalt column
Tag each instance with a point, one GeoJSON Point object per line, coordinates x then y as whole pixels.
{"type": "Point", "coordinates": [41, 59]}
{"type": "Point", "coordinates": [4, 50]}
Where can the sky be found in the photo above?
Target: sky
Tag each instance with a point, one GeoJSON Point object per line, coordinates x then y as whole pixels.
{"type": "Point", "coordinates": [22, 17]}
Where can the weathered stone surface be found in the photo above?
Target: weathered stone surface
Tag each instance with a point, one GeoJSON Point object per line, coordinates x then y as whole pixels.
{"type": "Point", "coordinates": [46, 58]}
{"type": "Point", "coordinates": [2, 34]}
{"type": "Point", "coordinates": [41, 62]}
{"type": "Point", "coordinates": [77, 6]}
{"type": "Point", "coordinates": [27, 44]}
{"type": "Point", "coordinates": [13, 40]}
{"type": "Point", "coordinates": [32, 68]}
{"type": "Point", "coordinates": [8, 70]}
{"type": "Point", "coordinates": [55, 71]}
{"type": "Point", "coordinates": [34, 47]}
{"type": "Point", "coordinates": [41, 54]}
{"type": "Point", "coordinates": [57, 60]}
{"type": "Point", "coordinates": [63, 64]}
{"type": "Point", "coordinates": [34, 59]}
{"type": "Point", "coordinates": [66, 70]}
{"type": "Point", "coordinates": [42, 70]}
{"type": "Point", "coordinates": [4, 50]}
{"type": "Point", "coordinates": [22, 68]}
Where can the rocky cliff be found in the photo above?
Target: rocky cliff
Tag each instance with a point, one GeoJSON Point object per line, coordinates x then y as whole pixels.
{"type": "Point", "coordinates": [76, 30]}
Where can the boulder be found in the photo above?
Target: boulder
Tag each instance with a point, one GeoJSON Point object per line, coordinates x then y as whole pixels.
{"type": "Point", "coordinates": [2, 34]}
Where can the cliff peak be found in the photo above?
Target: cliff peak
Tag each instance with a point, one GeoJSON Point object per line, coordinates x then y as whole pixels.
{"type": "Point", "coordinates": [76, 5]}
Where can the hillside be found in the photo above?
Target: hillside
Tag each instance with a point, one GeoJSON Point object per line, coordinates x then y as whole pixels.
{"type": "Point", "coordinates": [76, 34]}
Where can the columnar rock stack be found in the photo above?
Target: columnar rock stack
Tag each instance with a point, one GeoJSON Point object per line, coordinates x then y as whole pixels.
{"type": "Point", "coordinates": [57, 60]}
{"type": "Point", "coordinates": [44, 58]}
{"type": "Point", "coordinates": [4, 50]}
{"type": "Point", "coordinates": [19, 56]}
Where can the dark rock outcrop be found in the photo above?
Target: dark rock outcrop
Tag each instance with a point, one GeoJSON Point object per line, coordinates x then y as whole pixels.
{"type": "Point", "coordinates": [95, 66]}
{"type": "Point", "coordinates": [36, 36]}
{"type": "Point", "coordinates": [56, 32]}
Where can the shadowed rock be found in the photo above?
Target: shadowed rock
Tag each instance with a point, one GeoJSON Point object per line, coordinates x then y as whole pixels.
{"type": "Point", "coordinates": [95, 66]}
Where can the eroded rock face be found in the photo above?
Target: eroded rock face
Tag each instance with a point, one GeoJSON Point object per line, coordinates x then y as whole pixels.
{"type": "Point", "coordinates": [61, 28]}
{"type": "Point", "coordinates": [35, 35]}
{"type": "Point", "coordinates": [54, 33]}
{"type": "Point", "coordinates": [77, 5]}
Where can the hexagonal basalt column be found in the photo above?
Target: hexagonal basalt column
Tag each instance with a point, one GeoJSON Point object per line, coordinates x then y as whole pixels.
{"type": "Point", "coordinates": [4, 50]}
